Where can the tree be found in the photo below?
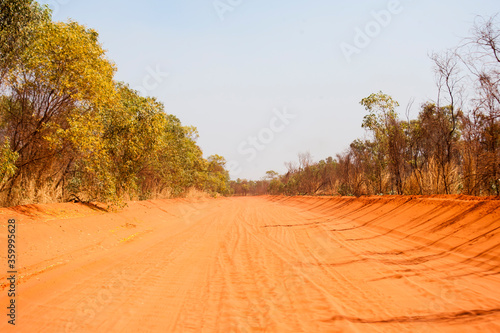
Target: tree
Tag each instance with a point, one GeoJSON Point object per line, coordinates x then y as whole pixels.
{"type": "Point", "coordinates": [271, 174]}
{"type": "Point", "coordinates": [440, 137]}
{"type": "Point", "coordinates": [133, 135]}
{"type": "Point", "coordinates": [67, 129]}
{"type": "Point", "coordinates": [19, 19]}
{"type": "Point", "coordinates": [480, 53]}
{"type": "Point", "coordinates": [217, 176]}
{"type": "Point", "coordinates": [388, 136]}
{"type": "Point", "coordinates": [52, 117]}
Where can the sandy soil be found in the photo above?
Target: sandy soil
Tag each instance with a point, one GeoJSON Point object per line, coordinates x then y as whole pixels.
{"type": "Point", "coordinates": [264, 264]}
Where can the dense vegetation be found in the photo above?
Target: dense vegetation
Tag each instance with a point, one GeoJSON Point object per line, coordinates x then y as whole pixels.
{"type": "Point", "coordinates": [68, 130]}
{"type": "Point", "coordinates": [452, 147]}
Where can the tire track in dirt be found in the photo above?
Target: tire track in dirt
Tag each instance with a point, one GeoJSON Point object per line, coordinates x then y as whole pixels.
{"type": "Point", "coordinates": [269, 264]}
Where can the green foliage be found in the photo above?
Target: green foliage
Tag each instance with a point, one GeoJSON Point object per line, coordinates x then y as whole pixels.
{"type": "Point", "coordinates": [381, 114]}
{"type": "Point", "coordinates": [271, 174]}
{"type": "Point", "coordinates": [216, 175]}
{"type": "Point", "coordinates": [132, 135]}
{"type": "Point", "coordinates": [444, 150]}
{"type": "Point", "coordinates": [18, 20]}
{"type": "Point", "coordinates": [66, 125]}
{"type": "Point", "coordinates": [66, 58]}
{"type": "Point", "coordinates": [7, 161]}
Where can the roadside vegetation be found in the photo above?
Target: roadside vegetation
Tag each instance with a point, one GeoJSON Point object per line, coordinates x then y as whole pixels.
{"type": "Point", "coordinates": [69, 131]}
{"type": "Point", "coordinates": [451, 147]}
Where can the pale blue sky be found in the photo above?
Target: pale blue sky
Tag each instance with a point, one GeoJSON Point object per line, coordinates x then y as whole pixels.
{"type": "Point", "coordinates": [227, 76]}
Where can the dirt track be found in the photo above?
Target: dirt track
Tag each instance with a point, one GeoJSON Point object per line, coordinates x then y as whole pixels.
{"type": "Point", "coordinates": [261, 264]}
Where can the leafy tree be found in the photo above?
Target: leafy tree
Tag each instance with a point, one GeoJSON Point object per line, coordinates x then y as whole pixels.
{"type": "Point", "coordinates": [52, 116]}
{"type": "Point", "coordinates": [388, 136]}
{"type": "Point", "coordinates": [217, 176]}
{"type": "Point", "coordinates": [19, 19]}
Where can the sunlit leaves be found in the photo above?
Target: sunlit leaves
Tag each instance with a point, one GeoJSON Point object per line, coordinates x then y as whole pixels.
{"type": "Point", "coordinates": [68, 59]}
{"type": "Point", "coordinates": [381, 109]}
{"type": "Point", "coordinates": [66, 124]}
{"type": "Point", "coordinates": [18, 20]}
{"type": "Point", "coordinates": [7, 161]}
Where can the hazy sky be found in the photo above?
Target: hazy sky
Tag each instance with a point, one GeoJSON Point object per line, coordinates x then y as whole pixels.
{"type": "Point", "coordinates": [265, 80]}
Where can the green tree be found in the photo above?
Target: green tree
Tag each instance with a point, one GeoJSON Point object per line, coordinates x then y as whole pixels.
{"type": "Point", "coordinates": [382, 121]}
{"type": "Point", "coordinates": [19, 19]}
{"type": "Point", "coordinates": [53, 115]}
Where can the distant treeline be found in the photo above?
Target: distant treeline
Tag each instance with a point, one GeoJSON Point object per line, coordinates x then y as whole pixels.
{"type": "Point", "coordinates": [452, 147]}
{"type": "Point", "coordinates": [68, 130]}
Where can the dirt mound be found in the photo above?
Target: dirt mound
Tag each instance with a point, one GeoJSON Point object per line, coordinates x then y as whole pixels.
{"type": "Point", "coordinates": [458, 225]}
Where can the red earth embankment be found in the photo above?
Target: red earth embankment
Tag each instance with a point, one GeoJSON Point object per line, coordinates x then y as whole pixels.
{"type": "Point", "coordinates": [452, 225]}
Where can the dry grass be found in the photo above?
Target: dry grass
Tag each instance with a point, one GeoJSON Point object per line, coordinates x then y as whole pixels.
{"type": "Point", "coordinates": [30, 193]}
{"type": "Point", "coordinates": [194, 193]}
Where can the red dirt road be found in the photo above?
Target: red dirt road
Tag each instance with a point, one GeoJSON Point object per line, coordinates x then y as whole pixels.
{"type": "Point", "coordinates": [263, 264]}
